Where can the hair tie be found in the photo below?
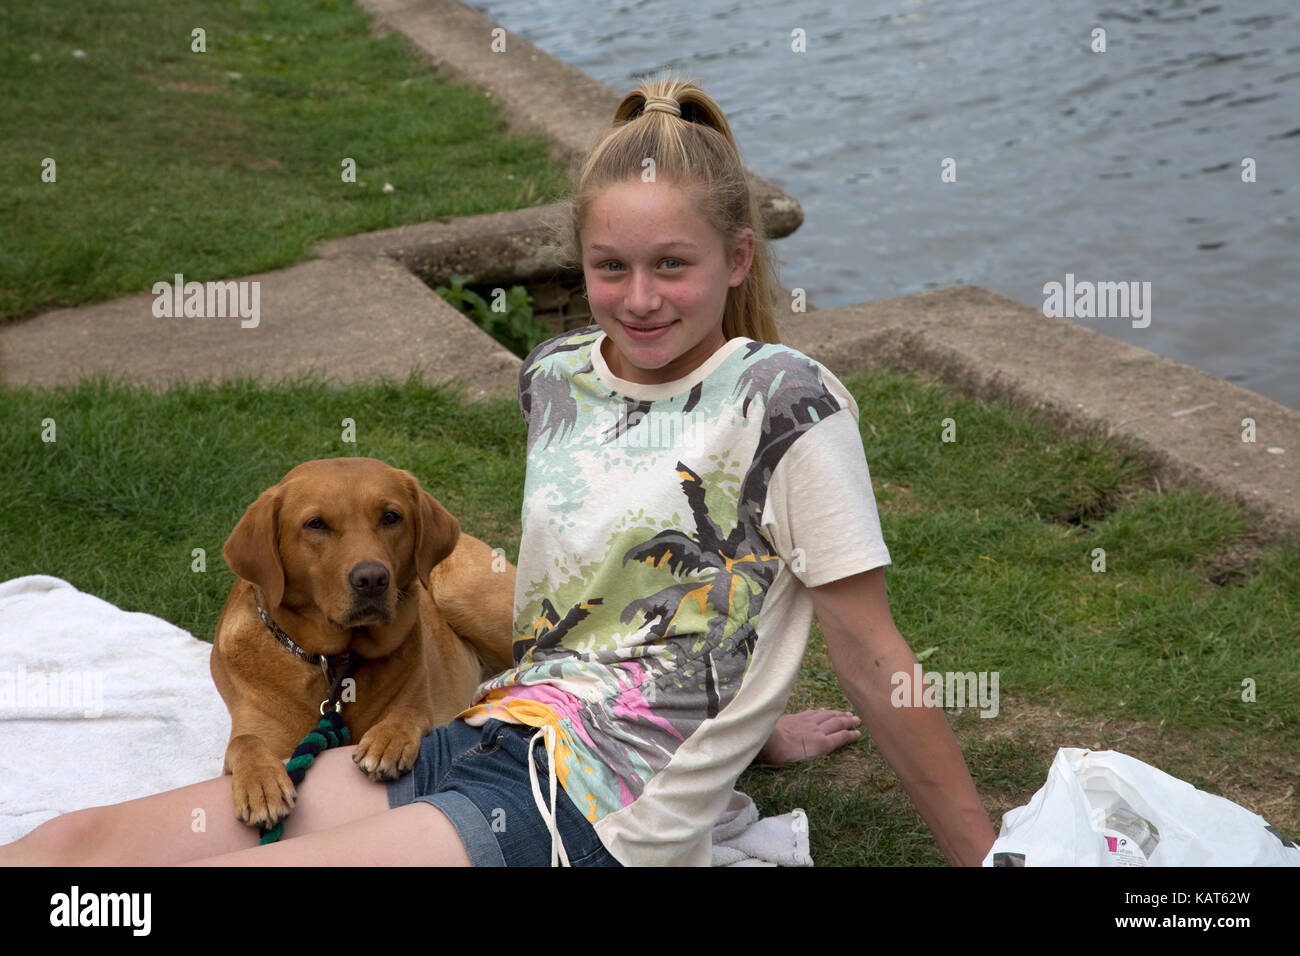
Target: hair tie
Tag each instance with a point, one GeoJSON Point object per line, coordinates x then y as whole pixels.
{"type": "Point", "coordinates": [665, 104]}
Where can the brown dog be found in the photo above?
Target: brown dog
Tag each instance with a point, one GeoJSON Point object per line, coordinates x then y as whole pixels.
{"type": "Point", "coordinates": [352, 555]}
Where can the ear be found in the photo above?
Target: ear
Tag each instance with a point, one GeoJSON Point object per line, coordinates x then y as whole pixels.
{"type": "Point", "coordinates": [253, 551]}
{"type": "Point", "coordinates": [436, 531]}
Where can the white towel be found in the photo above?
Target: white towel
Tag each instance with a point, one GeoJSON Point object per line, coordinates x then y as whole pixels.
{"type": "Point", "coordinates": [97, 705]}
{"type": "Point", "coordinates": [100, 705]}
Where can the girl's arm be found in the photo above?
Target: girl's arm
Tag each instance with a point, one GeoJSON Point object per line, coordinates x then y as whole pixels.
{"type": "Point", "coordinates": [866, 650]}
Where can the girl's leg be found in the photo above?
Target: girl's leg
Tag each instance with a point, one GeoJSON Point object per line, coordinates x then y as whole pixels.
{"type": "Point", "coordinates": [418, 834]}
{"type": "Point", "coordinates": [198, 821]}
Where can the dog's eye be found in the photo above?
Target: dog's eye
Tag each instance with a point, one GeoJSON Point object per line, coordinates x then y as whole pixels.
{"type": "Point", "coordinates": [317, 524]}
{"type": "Point", "coordinates": [391, 517]}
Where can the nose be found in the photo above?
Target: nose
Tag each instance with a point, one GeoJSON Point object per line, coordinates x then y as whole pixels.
{"type": "Point", "coordinates": [369, 580]}
{"type": "Point", "coordinates": [641, 298]}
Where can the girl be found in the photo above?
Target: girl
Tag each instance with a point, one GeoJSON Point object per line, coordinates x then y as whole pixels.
{"type": "Point", "coordinates": [694, 492]}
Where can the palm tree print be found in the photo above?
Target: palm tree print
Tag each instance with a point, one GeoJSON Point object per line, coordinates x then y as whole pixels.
{"type": "Point", "coordinates": [729, 562]}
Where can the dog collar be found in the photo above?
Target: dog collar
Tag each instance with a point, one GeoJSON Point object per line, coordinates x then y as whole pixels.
{"type": "Point", "coordinates": [279, 633]}
{"type": "Point", "coordinates": [337, 667]}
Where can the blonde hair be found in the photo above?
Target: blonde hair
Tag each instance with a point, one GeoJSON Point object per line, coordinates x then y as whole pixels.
{"type": "Point", "coordinates": [697, 152]}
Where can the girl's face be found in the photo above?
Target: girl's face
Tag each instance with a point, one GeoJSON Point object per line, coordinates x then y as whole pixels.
{"type": "Point", "coordinates": [657, 278]}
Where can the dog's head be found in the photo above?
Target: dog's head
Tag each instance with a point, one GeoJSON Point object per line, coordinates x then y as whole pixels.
{"type": "Point", "coordinates": [341, 543]}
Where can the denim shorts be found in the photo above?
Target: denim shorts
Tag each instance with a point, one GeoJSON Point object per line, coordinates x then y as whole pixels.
{"type": "Point", "coordinates": [478, 777]}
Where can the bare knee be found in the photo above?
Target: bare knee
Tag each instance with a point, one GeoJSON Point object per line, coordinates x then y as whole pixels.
{"type": "Point", "coordinates": [66, 840]}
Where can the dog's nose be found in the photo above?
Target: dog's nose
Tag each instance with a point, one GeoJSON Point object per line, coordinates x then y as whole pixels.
{"type": "Point", "coordinates": [369, 580]}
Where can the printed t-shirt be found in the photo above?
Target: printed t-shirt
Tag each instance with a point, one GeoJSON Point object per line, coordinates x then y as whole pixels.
{"type": "Point", "coordinates": [670, 535]}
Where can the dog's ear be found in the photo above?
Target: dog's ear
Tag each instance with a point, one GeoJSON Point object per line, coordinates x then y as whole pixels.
{"type": "Point", "coordinates": [253, 551]}
{"type": "Point", "coordinates": [436, 531]}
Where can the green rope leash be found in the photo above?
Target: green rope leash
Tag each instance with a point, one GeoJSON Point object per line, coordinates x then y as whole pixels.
{"type": "Point", "coordinates": [330, 732]}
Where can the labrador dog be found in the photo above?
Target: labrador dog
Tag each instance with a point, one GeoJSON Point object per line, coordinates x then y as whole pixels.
{"type": "Point", "coordinates": [351, 556]}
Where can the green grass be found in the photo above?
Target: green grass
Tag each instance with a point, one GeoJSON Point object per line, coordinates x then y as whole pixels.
{"type": "Point", "coordinates": [228, 162]}
{"type": "Point", "coordinates": [137, 479]}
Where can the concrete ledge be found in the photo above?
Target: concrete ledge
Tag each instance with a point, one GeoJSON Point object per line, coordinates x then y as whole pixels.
{"type": "Point", "coordinates": [503, 246]}
{"type": "Point", "coordinates": [994, 347]}
{"type": "Point", "coordinates": [349, 318]}
{"type": "Point", "coordinates": [538, 93]}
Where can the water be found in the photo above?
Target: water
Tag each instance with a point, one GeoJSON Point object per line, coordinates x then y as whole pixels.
{"type": "Point", "coordinates": [1115, 166]}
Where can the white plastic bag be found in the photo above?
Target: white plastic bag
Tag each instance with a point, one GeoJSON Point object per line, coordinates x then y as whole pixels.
{"type": "Point", "coordinates": [1104, 808]}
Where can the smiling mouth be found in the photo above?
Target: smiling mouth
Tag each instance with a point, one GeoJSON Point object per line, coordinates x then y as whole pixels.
{"type": "Point", "coordinates": [646, 331]}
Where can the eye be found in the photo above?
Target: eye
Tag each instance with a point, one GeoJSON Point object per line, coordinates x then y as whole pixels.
{"type": "Point", "coordinates": [678, 261]}
{"type": "Point", "coordinates": [391, 518]}
{"type": "Point", "coordinates": [317, 524]}
{"type": "Point", "coordinates": [601, 267]}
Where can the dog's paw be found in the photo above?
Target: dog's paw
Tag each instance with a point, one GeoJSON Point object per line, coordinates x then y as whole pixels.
{"type": "Point", "coordinates": [264, 794]}
{"type": "Point", "coordinates": [385, 753]}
